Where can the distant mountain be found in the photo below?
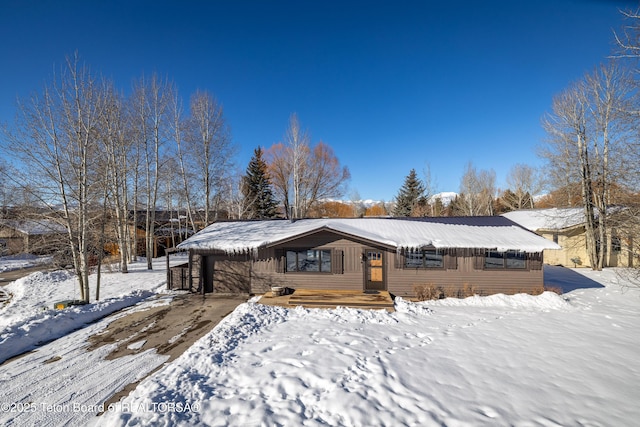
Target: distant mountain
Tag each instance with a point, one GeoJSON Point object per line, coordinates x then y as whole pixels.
{"type": "Point", "coordinates": [446, 197]}
{"type": "Point", "coordinates": [366, 203]}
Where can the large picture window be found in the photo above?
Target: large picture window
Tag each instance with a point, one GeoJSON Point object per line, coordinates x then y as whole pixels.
{"type": "Point", "coordinates": [430, 258]}
{"type": "Point", "coordinates": [309, 260]}
{"type": "Point", "coordinates": [509, 260]}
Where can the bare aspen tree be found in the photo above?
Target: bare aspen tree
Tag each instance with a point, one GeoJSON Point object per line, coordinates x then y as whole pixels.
{"type": "Point", "coordinates": [609, 89]}
{"type": "Point", "coordinates": [628, 52]}
{"type": "Point", "coordinates": [5, 188]}
{"type": "Point", "coordinates": [469, 187]}
{"type": "Point", "coordinates": [234, 200]}
{"type": "Point", "coordinates": [55, 139]}
{"type": "Point", "coordinates": [209, 148]}
{"type": "Point", "coordinates": [151, 101]}
{"type": "Point", "coordinates": [172, 200]}
{"type": "Point", "coordinates": [524, 183]}
{"type": "Point", "coordinates": [357, 204]}
{"type": "Point", "coordinates": [477, 191]}
{"type": "Point", "coordinates": [117, 149]}
{"type": "Point", "coordinates": [587, 134]}
{"type": "Point", "coordinates": [297, 142]}
{"type": "Point", "coordinates": [429, 191]}
{"type": "Point", "coordinates": [179, 128]}
{"type": "Point", "coordinates": [567, 127]}
{"type": "Point", "coordinates": [628, 40]}
{"type": "Point", "coordinates": [628, 219]}
{"type": "Point", "coordinates": [487, 180]}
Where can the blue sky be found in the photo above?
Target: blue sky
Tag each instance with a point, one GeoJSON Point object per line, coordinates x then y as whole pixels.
{"type": "Point", "coordinates": [389, 85]}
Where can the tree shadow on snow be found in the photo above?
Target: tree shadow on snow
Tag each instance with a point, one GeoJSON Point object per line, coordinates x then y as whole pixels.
{"type": "Point", "coordinates": [567, 279]}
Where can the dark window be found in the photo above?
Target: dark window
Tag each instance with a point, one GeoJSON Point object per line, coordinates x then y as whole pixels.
{"type": "Point", "coordinates": [493, 259]}
{"type": "Point", "coordinates": [430, 258]}
{"type": "Point", "coordinates": [509, 259]}
{"type": "Point", "coordinates": [555, 238]}
{"type": "Point", "coordinates": [413, 260]}
{"type": "Point", "coordinates": [516, 259]}
{"type": "Point", "coordinates": [309, 260]}
{"type": "Point", "coordinates": [616, 243]}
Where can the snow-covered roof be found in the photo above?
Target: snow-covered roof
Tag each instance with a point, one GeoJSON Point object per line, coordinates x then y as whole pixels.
{"type": "Point", "coordinates": [469, 232]}
{"type": "Point", "coordinates": [35, 227]}
{"type": "Point", "coordinates": [547, 219]}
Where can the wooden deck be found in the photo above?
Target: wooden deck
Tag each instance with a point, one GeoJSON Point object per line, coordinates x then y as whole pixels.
{"type": "Point", "coordinates": [329, 298]}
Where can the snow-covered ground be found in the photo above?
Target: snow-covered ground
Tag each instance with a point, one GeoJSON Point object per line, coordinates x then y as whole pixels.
{"type": "Point", "coordinates": [16, 262]}
{"type": "Point", "coordinates": [36, 391]}
{"type": "Point", "coordinates": [28, 319]}
{"type": "Point", "coordinates": [500, 360]}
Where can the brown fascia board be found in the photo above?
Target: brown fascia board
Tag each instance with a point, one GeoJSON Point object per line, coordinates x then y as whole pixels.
{"type": "Point", "coordinates": [331, 230]}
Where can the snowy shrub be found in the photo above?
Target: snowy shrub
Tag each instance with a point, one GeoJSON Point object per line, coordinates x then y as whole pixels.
{"type": "Point", "coordinates": [469, 290]}
{"type": "Point", "coordinates": [428, 291]}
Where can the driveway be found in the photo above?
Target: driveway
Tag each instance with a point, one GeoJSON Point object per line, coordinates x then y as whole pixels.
{"type": "Point", "coordinates": [7, 277]}
{"type": "Point", "coordinates": [170, 329]}
{"type": "Point", "coordinates": [102, 362]}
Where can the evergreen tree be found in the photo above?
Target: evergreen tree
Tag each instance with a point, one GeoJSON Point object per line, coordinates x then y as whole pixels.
{"type": "Point", "coordinates": [411, 194]}
{"type": "Point", "coordinates": [256, 189]}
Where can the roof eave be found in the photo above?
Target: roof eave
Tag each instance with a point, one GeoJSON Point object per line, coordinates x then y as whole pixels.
{"type": "Point", "coordinates": [331, 230]}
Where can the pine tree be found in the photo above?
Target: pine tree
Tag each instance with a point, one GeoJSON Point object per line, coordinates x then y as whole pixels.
{"type": "Point", "coordinates": [410, 195]}
{"type": "Point", "coordinates": [257, 189]}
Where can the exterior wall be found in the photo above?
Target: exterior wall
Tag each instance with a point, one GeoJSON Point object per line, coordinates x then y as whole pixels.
{"type": "Point", "coordinates": [267, 269]}
{"type": "Point", "coordinates": [232, 275]}
{"type": "Point", "coordinates": [466, 273]}
{"type": "Point", "coordinates": [574, 246]}
{"type": "Point", "coordinates": [464, 270]}
{"type": "Point", "coordinates": [624, 255]}
{"type": "Point", "coordinates": [221, 273]}
{"type": "Point", "coordinates": [12, 242]}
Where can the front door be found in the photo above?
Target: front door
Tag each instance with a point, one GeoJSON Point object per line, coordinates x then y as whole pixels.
{"type": "Point", "coordinates": [374, 270]}
{"type": "Point", "coordinates": [208, 271]}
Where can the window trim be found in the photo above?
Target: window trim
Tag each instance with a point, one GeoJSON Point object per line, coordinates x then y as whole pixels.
{"type": "Point", "coordinates": [297, 251]}
{"type": "Point", "coordinates": [422, 252]}
{"type": "Point", "coordinates": [505, 260]}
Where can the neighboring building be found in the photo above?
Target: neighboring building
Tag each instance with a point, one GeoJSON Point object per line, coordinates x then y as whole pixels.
{"type": "Point", "coordinates": [170, 228]}
{"type": "Point", "coordinates": [566, 227]}
{"type": "Point", "coordinates": [487, 254]}
{"type": "Point", "coordinates": [30, 236]}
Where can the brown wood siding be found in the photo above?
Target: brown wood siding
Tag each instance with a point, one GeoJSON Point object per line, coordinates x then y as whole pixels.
{"type": "Point", "coordinates": [462, 268]}
{"type": "Point", "coordinates": [269, 262]}
{"type": "Point", "coordinates": [222, 273]}
{"type": "Point", "coordinates": [232, 275]}
{"type": "Point", "coordinates": [468, 274]}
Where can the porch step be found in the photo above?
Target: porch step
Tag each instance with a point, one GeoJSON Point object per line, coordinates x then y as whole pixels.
{"type": "Point", "coordinates": [338, 301]}
{"type": "Point", "coordinates": [333, 298]}
{"type": "Point", "coordinates": [361, 307]}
